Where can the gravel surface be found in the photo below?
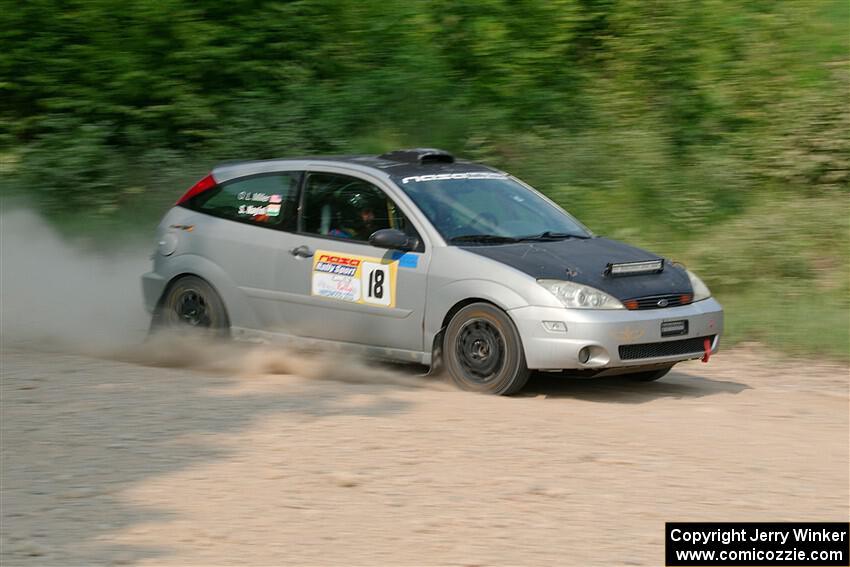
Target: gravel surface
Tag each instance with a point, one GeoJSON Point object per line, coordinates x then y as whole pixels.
{"type": "Point", "coordinates": [238, 460]}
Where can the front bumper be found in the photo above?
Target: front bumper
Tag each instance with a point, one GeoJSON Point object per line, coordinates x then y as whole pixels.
{"type": "Point", "coordinates": [604, 331]}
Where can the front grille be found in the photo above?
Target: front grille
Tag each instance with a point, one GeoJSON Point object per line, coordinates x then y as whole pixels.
{"type": "Point", "coordinates": [652, 301]}
{"type": "Point", "coordinates": [668, 348]}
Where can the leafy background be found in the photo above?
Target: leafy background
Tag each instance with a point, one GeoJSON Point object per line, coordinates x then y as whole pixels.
{"type": "Point", "coordinates": [711, 131]}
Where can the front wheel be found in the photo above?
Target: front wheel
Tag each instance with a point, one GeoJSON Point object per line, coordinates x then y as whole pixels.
{"type": "Point", "coordinates": [483, 351]}
{"type": "Point", "coordinates": [192, 303]}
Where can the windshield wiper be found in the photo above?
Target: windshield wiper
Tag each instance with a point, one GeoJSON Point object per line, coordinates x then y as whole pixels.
{"type": "Point", "coordinates": [550, 235]}
{"type": "Point", "coordinates": [483, 239]}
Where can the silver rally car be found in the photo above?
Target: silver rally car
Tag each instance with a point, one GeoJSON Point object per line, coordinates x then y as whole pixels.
{"type": "Point", "coordinates": [416, 256]}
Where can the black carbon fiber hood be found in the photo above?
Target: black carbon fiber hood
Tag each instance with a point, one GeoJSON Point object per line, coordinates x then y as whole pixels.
{"type": "Point", "coordinates": [584, 261]}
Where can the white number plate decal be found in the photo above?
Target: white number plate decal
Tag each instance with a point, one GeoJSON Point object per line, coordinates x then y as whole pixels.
{"type": "Point", "coordinates": [356, 279]}
{"type": "Point", "coordinates": [375, 281]}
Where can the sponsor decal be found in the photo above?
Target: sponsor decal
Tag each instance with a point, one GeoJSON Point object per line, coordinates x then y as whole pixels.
{"type": "Point", "coordinates": [451, 176]}
{"type": "Point", "coordinates": [256, 197]}
{"type": "Point", "coordinates": [253, 210]}
{"type": "Point", "coordinates": [406, 259]}
{"type": "Point", "coordinates": [356, 279]}
{"type": "Point", "coordinates": [344, 260]}
{"type": "Point", "coordinates": [339, 269]}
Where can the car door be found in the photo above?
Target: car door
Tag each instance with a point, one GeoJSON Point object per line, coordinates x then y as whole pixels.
{"type": "Point", "coordinates": [247, 221]}
{"type": "Point", "coordinates": [335, 284]}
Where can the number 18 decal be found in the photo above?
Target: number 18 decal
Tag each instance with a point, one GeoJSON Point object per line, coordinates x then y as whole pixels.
{"type": "Point", "coordinates": [356, 279]}
{"type": "Point", "coordinates": [375, 283]}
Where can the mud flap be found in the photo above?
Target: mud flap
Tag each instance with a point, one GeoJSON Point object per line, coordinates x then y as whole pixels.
{"type": "Point", "coordinates": [436, 366]}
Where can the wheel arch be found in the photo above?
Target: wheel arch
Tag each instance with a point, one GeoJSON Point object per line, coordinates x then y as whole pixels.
{"type": "Point", "coordinates": [457, 295]}
{"type": "Point", "coordinates": [237, 309]}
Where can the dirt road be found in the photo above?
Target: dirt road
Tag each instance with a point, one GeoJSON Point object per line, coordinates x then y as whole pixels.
{"type": "Point", "coordinates": [237, 461]}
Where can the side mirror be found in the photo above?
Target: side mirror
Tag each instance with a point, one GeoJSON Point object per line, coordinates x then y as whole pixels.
{"type": "Point", "coordinates": [393, 239]}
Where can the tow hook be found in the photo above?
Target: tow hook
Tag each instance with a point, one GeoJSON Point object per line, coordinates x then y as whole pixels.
{"type": "Point", "coordinates": [706, 345]}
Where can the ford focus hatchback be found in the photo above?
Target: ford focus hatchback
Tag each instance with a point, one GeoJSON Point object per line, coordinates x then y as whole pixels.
{"type": "Point", "coordinates": [416, 256]}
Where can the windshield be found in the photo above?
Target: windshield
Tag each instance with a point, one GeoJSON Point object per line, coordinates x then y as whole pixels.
{"type": "Point", "coordinates": [491, 210]}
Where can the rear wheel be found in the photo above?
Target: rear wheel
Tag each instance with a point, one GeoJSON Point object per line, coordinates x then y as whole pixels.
{"type": "Point", "coordinates": [483, 351]}
{"type": "Point", "coordinates": [649, 375]}
{"type": "Point", "coordinates": [192, 303]}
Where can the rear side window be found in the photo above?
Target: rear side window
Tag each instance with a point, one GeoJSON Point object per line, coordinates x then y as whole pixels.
{"type": "Point", "coordinates": [348, 208]}
{"type": "Point", "coordinates": [267, 200]}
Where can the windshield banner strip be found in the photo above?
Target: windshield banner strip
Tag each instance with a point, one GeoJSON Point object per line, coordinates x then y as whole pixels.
{"type": "Point", "coordinates": [446, 176]}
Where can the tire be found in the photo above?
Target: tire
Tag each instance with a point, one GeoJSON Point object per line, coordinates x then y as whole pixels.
{"type": "Point", "coordinates": [649, 375]}
{"type": "Point", "coordinates": [190, 303]}
{"type": "Point", "coordinates": [483, 351]}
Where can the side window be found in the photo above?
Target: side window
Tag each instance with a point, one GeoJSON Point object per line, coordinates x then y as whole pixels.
{"type": "Point", "coordinates": [266, 200]}
{"type": "Point", "coordinates": [345, 207]}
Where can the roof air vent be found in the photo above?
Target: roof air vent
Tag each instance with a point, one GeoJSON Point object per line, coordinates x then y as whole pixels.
{"type": "Point", "coordinates": [421, 156]}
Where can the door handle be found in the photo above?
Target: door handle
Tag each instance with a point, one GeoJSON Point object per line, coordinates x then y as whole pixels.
{"type": "Point", "coordinates": [302, 252]}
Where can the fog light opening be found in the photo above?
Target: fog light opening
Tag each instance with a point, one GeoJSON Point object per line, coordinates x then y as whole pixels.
{"type": "Point", "coordinates": [584, 355]}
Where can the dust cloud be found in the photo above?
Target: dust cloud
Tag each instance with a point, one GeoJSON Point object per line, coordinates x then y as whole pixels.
{"type": "Point", "coordinates": [196, 351]}
{"type": "Point", "coordinates": [56, 295]}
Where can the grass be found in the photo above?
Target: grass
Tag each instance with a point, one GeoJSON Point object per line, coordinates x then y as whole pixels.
{"type": "Point", "coordinates": [780, 267]}
{"type": "Point", "coordinates": [810, 324]}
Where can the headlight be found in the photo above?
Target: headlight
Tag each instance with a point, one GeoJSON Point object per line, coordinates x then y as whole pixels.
{"type": "Point", "coordinates": [580, 296]}
{"type": "Point", "coordinates": [701, 290]}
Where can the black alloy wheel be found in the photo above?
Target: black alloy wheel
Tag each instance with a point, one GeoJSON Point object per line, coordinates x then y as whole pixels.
{"type": "Point", "coordinates": [483, 351]}
{"type": "Point", "coordinates": [192, 303]}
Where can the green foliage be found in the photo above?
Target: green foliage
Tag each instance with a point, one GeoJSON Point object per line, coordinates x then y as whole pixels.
{"type": "Point", "coordinates": [690, 126]}
{"type": "Point", "coordinates": [781, 269]}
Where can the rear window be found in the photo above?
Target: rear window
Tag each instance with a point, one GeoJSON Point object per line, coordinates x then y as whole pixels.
{"type": "Point", "coordinates": [266, 200]}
